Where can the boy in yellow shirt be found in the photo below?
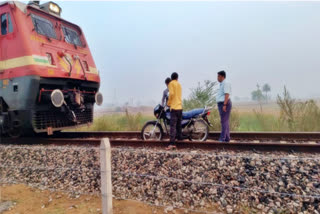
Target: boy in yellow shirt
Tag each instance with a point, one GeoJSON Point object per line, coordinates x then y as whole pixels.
{"type": "Point", "coordinates": [175, 104]}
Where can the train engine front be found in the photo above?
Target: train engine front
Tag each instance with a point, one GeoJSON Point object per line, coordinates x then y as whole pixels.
{"type": "Point", "coordinates": [49, 81]}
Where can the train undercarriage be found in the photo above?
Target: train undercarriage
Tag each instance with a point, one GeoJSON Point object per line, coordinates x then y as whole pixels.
{"type": "Point", "coordinates": [36, 105]}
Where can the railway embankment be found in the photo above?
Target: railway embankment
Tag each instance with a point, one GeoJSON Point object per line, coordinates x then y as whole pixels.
{"type": "Point", "coordinates": [231, 181]}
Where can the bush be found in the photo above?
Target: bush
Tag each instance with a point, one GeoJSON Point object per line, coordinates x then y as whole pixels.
{"type": "Point", "coordinates": [201, 96]}
{"type": "Point", "coordinates": [297, 115]}
{"type": "Point", "coordinates": [204, 96]}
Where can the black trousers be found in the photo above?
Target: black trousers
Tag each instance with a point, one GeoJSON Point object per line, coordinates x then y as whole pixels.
{"type": "Point", "coordinates": [175, 125]}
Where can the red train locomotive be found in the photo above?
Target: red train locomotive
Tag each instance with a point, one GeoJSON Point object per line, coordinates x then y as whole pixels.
{"type": "Point", "coordinates": [48, 78]}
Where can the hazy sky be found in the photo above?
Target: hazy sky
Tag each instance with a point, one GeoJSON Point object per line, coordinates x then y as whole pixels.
{"type": "Point", "coordinates": [136, 45]}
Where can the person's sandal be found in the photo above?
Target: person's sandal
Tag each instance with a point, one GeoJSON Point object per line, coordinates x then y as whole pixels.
{"type": "Point", "coordinates": [171, 147]}
{"type": "Point", "coordinates": [168, 148]}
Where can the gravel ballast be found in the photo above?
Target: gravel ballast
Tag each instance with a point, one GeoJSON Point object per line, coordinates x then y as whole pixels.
{"type": "Point", "coordinates": [233, 181]}
{"type": "Point", "coordinates": [4, 206]}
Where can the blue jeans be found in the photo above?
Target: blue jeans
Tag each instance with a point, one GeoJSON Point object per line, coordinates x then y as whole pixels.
{"type": "Point", "coordinates": [224, 117]}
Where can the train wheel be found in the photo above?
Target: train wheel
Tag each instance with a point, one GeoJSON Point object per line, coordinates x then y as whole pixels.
{"type": "Point", "coordinates": [15, 130]}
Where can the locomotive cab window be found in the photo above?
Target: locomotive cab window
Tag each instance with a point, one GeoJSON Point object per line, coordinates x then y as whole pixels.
{"type": "Point", "coordinates": [6, 24]}
{"type": "Point", "coordinates": [43, 26]}
{"type": "Point", "coordinates": [71, 36]}
{"type": "Point", "coordinates": [10, 27]}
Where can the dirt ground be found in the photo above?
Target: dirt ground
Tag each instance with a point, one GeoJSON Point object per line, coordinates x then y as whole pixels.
{"type": "Point", "coordinates": [29, 200]}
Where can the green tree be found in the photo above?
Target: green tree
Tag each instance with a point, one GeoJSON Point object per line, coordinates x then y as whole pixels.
{"type": "Point", "coordinates": [201, 96]}
{"type": "Point", "coordinates": [266, 89]}
{"type": "Point", "coordinates": [258, 96]}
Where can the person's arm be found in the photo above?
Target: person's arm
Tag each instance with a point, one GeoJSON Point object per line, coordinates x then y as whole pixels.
{"type": "Point", "coordinates": [226, 98]}
{"type": "Point", "coordinates": [163, 100]}
{"type": "Point", "coordinates": [227, 90]}
{"type": "Point", "coordinates": [171, 94]}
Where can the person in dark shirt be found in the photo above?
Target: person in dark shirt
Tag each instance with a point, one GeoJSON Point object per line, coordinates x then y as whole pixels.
{"type": "Point", "coordinates": [165, 95]}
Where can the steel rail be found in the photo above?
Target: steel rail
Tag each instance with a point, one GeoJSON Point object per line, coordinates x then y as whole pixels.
{"type": "Point", "coordinates": [247, 136]}
{"type": "Point", "coordinates": [208, 145]}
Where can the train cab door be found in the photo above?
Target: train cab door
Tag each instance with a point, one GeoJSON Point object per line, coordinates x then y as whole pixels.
{"type": "Point", "coordinates": [6, 52]}
{"type": "Point", "coordinates": [6, 37]}
{"type": "Point", "coordinates": [6, 42]}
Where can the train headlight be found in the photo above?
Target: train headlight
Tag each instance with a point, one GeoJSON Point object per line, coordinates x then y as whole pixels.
{"type": "Point", "coordinates": [57, 98]}
{"type": "Point", "coordinates": [98, 98]}
{"type": "Point", "coordinates": [54, 8]}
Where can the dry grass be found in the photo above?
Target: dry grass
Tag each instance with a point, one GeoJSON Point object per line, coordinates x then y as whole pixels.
{"type": "Point", "coordinates": [298, 115]}
{"type": "Point", "coordinates": [34, 201]}
{"type": "Point", "coordinates": [118, 122]}
{"type": "Point", "coordinates": [285, 115]}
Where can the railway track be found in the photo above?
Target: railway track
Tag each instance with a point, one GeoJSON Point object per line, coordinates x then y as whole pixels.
{"type": "Point", "coordinates": [259, 141]}
{"type": "Point", "coordinates": [243, 136]}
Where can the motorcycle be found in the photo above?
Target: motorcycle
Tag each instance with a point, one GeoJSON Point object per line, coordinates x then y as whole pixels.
{"type": "Point", "coordinates": [195, 124]}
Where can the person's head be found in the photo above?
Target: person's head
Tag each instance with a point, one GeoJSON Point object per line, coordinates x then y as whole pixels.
{"type": "Point", "coordinates": [174, 76]}
{"type": "Point", "coordinates": [167, 81]}
{"type": "Point", "coordinates": [221, 76]}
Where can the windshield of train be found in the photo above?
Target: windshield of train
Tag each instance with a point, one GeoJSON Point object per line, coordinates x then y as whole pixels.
{"type": "Point", "coordinates": [43, 26]}
{"type": "Point", "coordinates": [71, 36]}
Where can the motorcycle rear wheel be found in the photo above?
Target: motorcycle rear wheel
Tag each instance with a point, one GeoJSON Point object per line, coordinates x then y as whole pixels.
{"type": "Point", "coordinates": [200, 131]}
{"type": "Point", "coordinates": [152, 131]}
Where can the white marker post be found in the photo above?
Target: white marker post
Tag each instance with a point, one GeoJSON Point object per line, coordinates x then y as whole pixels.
{"type": "Point", "coordinates": [106, 182]}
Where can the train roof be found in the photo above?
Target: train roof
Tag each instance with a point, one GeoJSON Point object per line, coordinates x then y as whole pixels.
{"type": "Point", "coordinates": [20, 5]}
{"type": "Point", "coordinates": [23, 7]}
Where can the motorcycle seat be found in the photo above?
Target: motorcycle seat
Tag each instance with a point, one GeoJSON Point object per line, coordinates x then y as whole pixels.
{"type": "Point", "coordinates": [190, 114]}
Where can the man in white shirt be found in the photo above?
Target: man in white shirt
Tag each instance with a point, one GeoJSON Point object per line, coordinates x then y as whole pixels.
{"type": "Point", "coordinates": [224, 106]}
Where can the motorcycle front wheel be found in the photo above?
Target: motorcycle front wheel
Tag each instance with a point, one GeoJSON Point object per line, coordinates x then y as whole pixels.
{"type": "Point", "coordinates": [152, 131]}
{"type": "Point", "coordinates": [200, 131]}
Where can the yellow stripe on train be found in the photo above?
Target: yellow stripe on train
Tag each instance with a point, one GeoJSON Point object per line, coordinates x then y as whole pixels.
{"type": "Point", "coordinates": [38, 60]}
{"type": "Point", "coordinates": [24, 61]}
